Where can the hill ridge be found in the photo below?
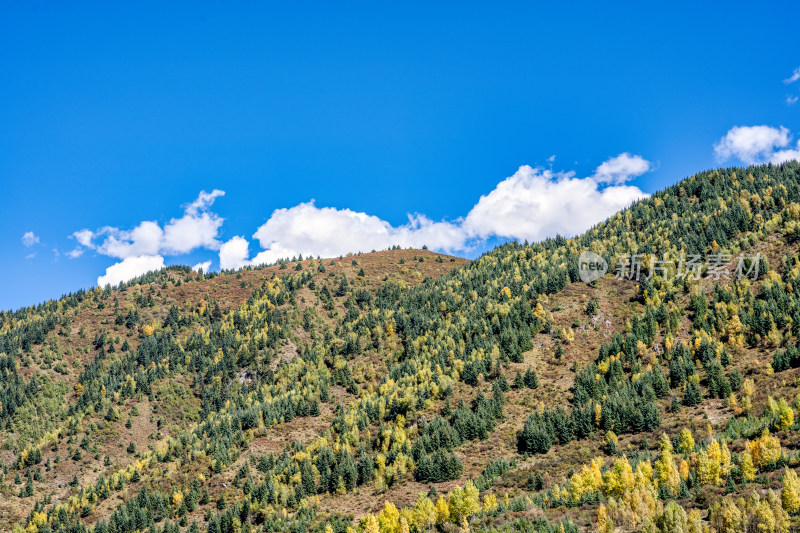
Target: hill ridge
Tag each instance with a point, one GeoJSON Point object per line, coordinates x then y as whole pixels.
{"type": "Point", "coordinates": [525, 398]}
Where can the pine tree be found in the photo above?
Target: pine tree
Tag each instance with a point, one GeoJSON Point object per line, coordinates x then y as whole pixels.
{"type": "Point", "coordinates": [693, 395]}
{"type": "Point", "coordinates": [531, 380]}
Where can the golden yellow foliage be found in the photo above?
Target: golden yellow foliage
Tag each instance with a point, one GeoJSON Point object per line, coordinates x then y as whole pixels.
{"type": "Point", "coordinates": [389, 518]}
{"type": "Point", "coordinates": [765, 450]}
{"type": "Point", "coordinates": [685, 441]}
{"type": "Point", "coordinates": [665, 470]}
{"type": "Point", "coordinates": [587, 481]}
{"type": "Point", "coordinates": [423, 513]}
{"type": "Point", "coordinates": [619, 479]}
{"type": "Point", "coordinates": [442, 511]}
{"type": "Point", "coordinates": [790, 493]}
{"type": "Point", "coordinates": [746, 467]}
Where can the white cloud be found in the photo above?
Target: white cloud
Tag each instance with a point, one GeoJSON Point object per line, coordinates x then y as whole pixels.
{"type": "Point", "coordinates": [234, 253]}
{"type": "Point", "coordinates": [620, 169]}
{"type": "Point", "coordinates": [191, 231]}
{"type": "Point", "coordinates": [129, 268]}
{"type": "Point", "coordinates": [197, 228]}
{"type": "Point", "coordinates": [751, 144]}
{"type": "Point", "coordinates": [794, 77]}
{"type": "Point", "coordinates": [203, 202]}
{"type": "Point", "coordinates": [535, 203]}
{"type": "Point", "coordinates": [791, 100]}
{"type": "Point", "coordinates": [274, 253]}
{"type": "Point", "coordinates": [551, 159]}
{"type": "Point", "coordinates": [329, 232]}
{"type": "Point", "coordinates": [205, 266]}
{"type": "Point", "coordinates": [147, 243]}
{"type": "Point", "coordinates": [29, 239]}
{"type": "Point", "coordinates": [789, 154]}
{"type": "Point", "coordinates": [84, 237]}
{"type": "Point", "coordinates": [144, 239]}
{"type": "Point", "coordinates": [532, 204]}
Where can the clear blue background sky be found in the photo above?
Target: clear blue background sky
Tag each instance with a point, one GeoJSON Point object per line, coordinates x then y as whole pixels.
{"type": "Point", "coordinates": [117, 112]}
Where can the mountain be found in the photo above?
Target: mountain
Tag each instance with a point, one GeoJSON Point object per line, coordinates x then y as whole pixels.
{"type": "Point", "coordinates": [407, 390]}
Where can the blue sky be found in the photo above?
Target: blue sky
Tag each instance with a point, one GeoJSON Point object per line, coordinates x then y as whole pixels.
{"type": "Point", "coordinates": [112, 115]}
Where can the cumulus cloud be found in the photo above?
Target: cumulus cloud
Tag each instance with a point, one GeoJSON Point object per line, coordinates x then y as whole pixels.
{"type": "Point", "coordinates": [535, 203]}
{"type": "Point", "coordinates": [84, 237]}
{"type": "Point", "coordinates": [622, 168]}
{"type": "Point", "coordinates": [791, 100]}
{"type": "Point", "coordinates": [29, 239]}
{"type": "Point", "coordinates": [205, 266]}
{"type": "Point", "coordinates": [197, 228]}
{"type": "Point", "coordinates": [203, 202]}
{"type": "Point", "coordinates": [789, 154]}
{"type": "Point", "coordinates": [794, 77]}
{"type": "Point", "coordinates": [75, 252]}
{"type": "Point", "coordinates": [129, 268]}
{"type": "Point", "coordinates": [234, 253]}
{"type": "Point", "coordinates": [326, 231]}
{"type": "Point", "coordinates": [754, 145]}
{"type": "Point", "coordinates": [184, 234]}
{"type": "Point", "coordinates": [144, 239]}
{"type": "Point", "coordinates": [532, 204]}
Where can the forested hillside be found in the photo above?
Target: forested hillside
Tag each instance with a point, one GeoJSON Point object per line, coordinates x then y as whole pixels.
{"type": "Point", "coordinates": [406, 390]}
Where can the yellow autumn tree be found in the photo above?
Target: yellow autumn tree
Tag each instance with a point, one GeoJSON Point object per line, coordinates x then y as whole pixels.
{"type": "Point", "coordinates": [765, 450]}
{"type": "Point", "coordinates": [389, 518]}
{"type": "Point", "coordinates": [424, 513]}
{"type": "Point", "coordinates": [725, 461]}
{"type": "Point", "coordinates": [685, 441]}
{"type": "Point", "coordinates": [619, 479]}
{"type": "Point", "coordinates": [404, 528]}
{"type": "Point", "coordinates": [442, 511]}
{"type": "Point", "coordinates": [587, 481]}
{"type": "Point", "coordinates": [746, 467]}
{"type": "Point", "coordinates": [464, 502]}
{"type": "Point", "coordinates": [604, 523]}
{"type": "Point", "coordinates": [672, 519]}
{"type": "Point", "coordinates": [790, 493]}
{"type": "Point", "coordinates": [369, 524]}
{"type": "Point", "coordinates": [726, 517]}
{"type": "Point", "coordinates": [784, 416]}
{"type": "Point", "coordinates": [666, 472]}
{"type": "Point", "coordinates": [489, 503]}
{"type": "Point", "coordinates": [709, 464]}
